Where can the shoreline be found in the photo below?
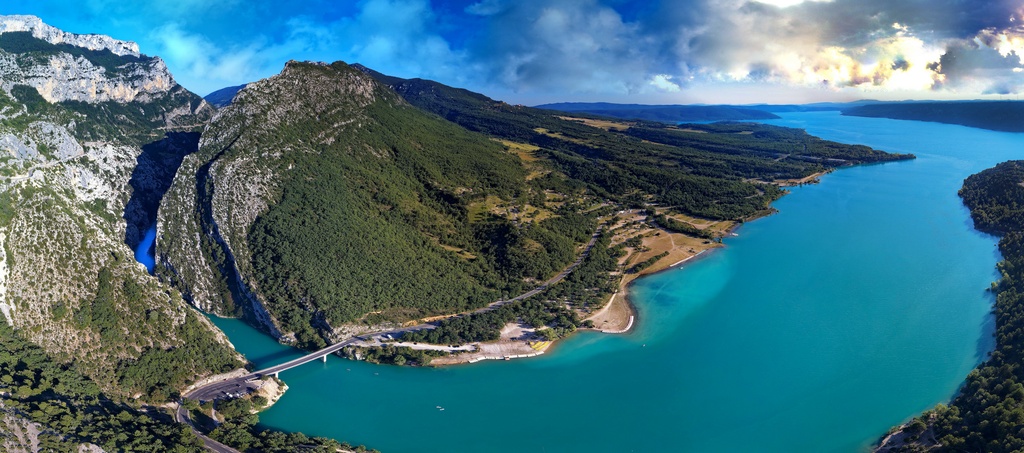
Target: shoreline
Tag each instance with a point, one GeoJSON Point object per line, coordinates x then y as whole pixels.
{"type": "Point", "coordinates": [620, 313]}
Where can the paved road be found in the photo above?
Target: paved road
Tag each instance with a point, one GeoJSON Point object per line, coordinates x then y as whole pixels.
{"type": "Point", "coordinates": [234, 387]}
{"type": "Point", "coordinates": [181, 416]}
{"type": "Point", "coordinates": [561, 275]}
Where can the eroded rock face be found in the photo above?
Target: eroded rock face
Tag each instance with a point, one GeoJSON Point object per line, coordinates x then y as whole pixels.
{"type": "Point", "coordinates": [220, 191]}
{"type": "Point", "coordinates": [87, 76]}
{"type": "Point", "coordinates": [68, 281]}
{"type": "Point", "coordinates": [65, 77]}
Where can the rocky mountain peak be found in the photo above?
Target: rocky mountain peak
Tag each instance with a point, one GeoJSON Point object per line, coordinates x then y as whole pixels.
{"type": "Point", "coordinates": [65, 66]}
{"type": "Point", "coordinates": [53, 35]}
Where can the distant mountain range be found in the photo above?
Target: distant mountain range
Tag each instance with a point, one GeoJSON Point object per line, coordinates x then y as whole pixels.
{"type": "Point", "coordinates": [1006, 116]}
{"type": "Point", "coordinates": [663, 113]}
{"type": "Point", "coordinates": [223, 96]}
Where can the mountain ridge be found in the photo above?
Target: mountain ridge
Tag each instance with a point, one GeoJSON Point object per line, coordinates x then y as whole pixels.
{"type": "Point", "coordinates": [72, 130]}
{"type": "Point", "coordinates": [670, 113]}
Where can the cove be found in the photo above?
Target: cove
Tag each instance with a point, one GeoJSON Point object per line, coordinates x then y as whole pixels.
{"type": "Point", "coordinates": [860, 304]}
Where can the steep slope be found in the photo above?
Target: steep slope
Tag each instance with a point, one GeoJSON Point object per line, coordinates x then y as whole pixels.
{"type": "Point", "coordinates": [76, 112]}
{"type": "Point", "coordinates": [319, 198]}
{"type": "Point", "coordinates": [46, 406]}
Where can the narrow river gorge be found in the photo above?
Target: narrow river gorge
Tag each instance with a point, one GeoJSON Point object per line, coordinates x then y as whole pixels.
{"type": "Point", "coordinates": [860, 304]}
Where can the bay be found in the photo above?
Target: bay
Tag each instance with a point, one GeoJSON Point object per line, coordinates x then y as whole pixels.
{"type": "Point", "coordinates": [860, 304]}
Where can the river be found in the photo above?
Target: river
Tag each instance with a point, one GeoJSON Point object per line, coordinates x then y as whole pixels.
{"type": "Point", "coordinates": [860, 304]}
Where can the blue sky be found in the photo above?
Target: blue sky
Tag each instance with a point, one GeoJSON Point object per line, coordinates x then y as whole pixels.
{"type": "Point", "coordinates": [532, 51]}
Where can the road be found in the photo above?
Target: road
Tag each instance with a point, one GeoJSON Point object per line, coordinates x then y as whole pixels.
{"type": "Point", "coordinates": [181, 416]}
{"type": "Point", "coordinates": [557, 278]}
{"type": "Point", "coordinates": [234, 387]}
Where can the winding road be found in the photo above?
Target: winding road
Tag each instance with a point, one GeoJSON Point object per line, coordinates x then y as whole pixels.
{"type": "Point", "coordinates": [241, 385]}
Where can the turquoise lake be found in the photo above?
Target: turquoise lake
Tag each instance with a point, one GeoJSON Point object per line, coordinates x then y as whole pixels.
{"type": "Point", "coordinates": [860, 304]}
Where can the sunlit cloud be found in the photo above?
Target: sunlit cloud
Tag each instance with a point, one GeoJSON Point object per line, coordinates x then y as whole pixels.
{"type": "Point", "coordinates": [787, 3]}
{"type": "Point", "coordinates": [591, 49]}
{"type": "Point", "coordinates": [664, 83]}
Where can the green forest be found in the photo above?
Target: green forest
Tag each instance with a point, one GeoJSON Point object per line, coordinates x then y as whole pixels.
{"type": "Point", "coordinates": [74, 410]}
{"type": "Point", "coordinates": [421, 211]}
{"type": "Point", "coordinates": [701, 170]}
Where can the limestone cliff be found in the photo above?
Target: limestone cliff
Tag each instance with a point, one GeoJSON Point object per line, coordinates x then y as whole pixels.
{"type": "Point", "coordinates": [76, 113]}
{"type": "Point", "coordinates": [319, 198]}
{"type": "Point", "coordinates": [218, 192]}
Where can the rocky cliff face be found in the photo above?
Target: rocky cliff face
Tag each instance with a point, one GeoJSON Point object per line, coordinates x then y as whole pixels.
{"type": "Point", "coordinates": [76, 112]}
{"type": "Point", "coordinates": [319, 198]}
{"type": "Point", "coordinates": [70, 67]}
{"type": "Point", "coordinates": [219, 191]}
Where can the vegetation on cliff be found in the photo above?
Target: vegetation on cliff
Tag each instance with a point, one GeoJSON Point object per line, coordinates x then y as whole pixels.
{"type": "Point", "coordinates": [73, 410]}
{"type": "Point", "coordinates": [325, 198]}
{"type": "Point", "coordinates": [89, 336]}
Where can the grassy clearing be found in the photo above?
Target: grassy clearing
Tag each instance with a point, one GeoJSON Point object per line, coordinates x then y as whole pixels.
{"type": "Point", "coordinates": [525, 151]}
{"type": "Point", "coordinates": [541, 130]}
{"type": "Point", "coordinates": [600, 124]}
{"type": "Point", "coordinates": [478, 210]}
{"type": "Point", "coordinates": [718, 226]}
{"type": "Point", "coordinates": [462, 253]}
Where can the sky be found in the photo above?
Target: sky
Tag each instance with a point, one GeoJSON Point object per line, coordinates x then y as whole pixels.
{"type": "Point", "coordinates": [532, 51]}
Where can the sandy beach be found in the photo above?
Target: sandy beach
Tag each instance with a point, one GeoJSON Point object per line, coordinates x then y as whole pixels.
{"type": "Point", "coordinates": [619, 315]}
{"type": "Point", "coordinates": [517, 341]}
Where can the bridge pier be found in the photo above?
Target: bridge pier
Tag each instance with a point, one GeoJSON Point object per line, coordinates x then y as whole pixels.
{"type": "Point", "coordinates": [324, 358]}
{"type": "Point", "coordinates": [275, 375]}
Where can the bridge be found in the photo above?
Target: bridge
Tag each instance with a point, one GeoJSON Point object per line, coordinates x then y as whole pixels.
{"type": "Point", "coordinates": [238, 386]}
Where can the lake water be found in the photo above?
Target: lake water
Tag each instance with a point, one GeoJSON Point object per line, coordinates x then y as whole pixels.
{"type": "Point", "coordinates": [862, 303]}
{"type": "Point", "coordinates": [144, 251]}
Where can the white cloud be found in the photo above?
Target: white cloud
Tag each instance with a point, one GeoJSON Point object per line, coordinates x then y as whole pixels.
{"type": "Point", "coordinates": [397, 37]}
{"type": "Point", "coordinates": [664, 83]}
{"type": "Point", "coordinates": [585, 46]}
{"type": "Point", "coordinates": [788, 3]}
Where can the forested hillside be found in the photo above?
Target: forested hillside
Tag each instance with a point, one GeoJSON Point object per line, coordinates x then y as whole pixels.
{"type": "Point", "coordinates": [377, 211]}
{"type": "Point", "coordinates": [703, 170]}
{"type": "Point", "coordinates": [68, 409]}
{"type": "Point", "coordinates": [320, 198]}
{"type": "Point", "coordinates": [88, 338]}
{"type": "Point", "coordinates": [995, 115]}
